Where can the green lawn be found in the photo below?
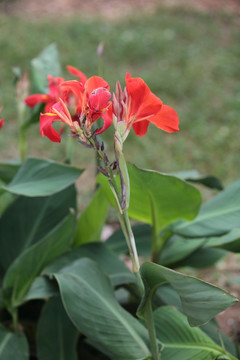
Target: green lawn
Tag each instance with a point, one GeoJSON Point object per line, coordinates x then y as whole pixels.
{"type": "Point", "coordinates": [189, 59]}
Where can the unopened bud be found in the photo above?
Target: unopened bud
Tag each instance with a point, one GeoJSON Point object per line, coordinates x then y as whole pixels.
{"type": "Point", "coordinates": [100, 49]}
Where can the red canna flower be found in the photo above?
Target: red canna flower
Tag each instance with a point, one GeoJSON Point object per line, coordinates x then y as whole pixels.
{"type": "Point", "coordinates": [49, 99]}
{"type": "Point", "coordinates": [59, 113]}
{"type": "Point", "coordinates": [137, 106]}
{"type": "Point", "coordinates": [1, 120]}
{"type": "Point", "coordinates": [92, 100]}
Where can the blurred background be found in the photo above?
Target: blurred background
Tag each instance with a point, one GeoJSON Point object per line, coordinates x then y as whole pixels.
{"type": "Point", "coordinates": [188, 53]}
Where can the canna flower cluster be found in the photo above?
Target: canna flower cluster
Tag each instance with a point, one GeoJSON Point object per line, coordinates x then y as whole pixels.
{"type": "Point", "coordinates": [81, 103]}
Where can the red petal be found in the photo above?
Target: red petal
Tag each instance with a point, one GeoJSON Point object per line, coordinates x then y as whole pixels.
{"type": "Point", "coordinates": [46, 128]}
{"type": "Point", "coordinates": [95, 82]}
{"type": "Point", "coordinates": [35, 99]}
{"type": "Point", "coordinates": [107, 118]}
{"type": "Point", "coordinates": [1, 123]}
{"type": "Point", "coordinates": [62, 112]}
{"type": "Point", "coordinates": [140, 128]}
{"type": "Point", "coordinates": [143, 103]}
{"type": "Point", "coordinates": [167, 119]}
{"type": "Point", "coordinates": [81, 76]}
{"type": "Point", "coordinates": [54, 86]}
{"type": "Point", "coordinates": [99, 99]}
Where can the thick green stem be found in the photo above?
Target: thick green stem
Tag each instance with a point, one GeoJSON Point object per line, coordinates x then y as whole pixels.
{"type": "Point", "coordinates": [14, 313]}
{"type": "Point", "coordinates": [148, 316]}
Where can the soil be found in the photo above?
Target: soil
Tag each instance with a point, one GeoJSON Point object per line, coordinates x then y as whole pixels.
{"type": "Point", "coordinates": [109, 9]}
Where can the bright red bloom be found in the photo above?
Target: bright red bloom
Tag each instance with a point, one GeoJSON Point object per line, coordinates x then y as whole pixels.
{"type": "Point", "coordinates": [143, 107]}
{"type": "Point", "coordinates": [74, 71]}
{"type": "Point", "coordinates": [49, 99]}
{"type": "Point", "coordinates": [1, 120]}
{"type": "Point", "coordinates": [59, 113]}
{"type": "Point", "coordinates": [1, 123]}
{"type": "Point", "coordinates": [92, 100]}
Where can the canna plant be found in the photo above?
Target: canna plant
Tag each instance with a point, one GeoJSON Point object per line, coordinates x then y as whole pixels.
{"type": "Point", "coordinates": [87, 303]}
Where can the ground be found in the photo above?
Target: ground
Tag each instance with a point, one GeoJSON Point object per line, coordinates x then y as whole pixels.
{"type": "Point", "coordinates": [110, 9]}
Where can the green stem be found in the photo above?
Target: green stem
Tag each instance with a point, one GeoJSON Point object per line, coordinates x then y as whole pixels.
{"type": "Point", "coordinates": [159, 243]}
{"type": "Point", "coordinates": [127, 230]}
{"type": "Point", "coordinates": [22, 137]}
{"type": "Point", "coordinates": [14, 313]}
{"type": "Point", "coordinates": [69, 150]}
{"type": "Point", "coordinates": [129, 236]}
{"type": "Point", "coordinates": [148, 316]}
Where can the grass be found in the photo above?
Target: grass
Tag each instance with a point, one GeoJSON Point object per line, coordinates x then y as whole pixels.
{"type": "Point", "coordinates": [189, 59]}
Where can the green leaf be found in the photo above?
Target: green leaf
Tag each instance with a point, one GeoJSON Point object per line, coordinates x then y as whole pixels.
{"type": "Point", "coordinates": [56, 335]}
{"type": "Point", "coordinates": [177, 249]}
{"type": "Point", "coordinates": [203, 257]}
{"type": "Point", "coordinates": [142, 234]}
{"type": "Point", "coordinates": [13, 346]}
{"type": "Point", "coordinates": [109, 262]}
{"type": "Point", "coordinates": [21, 274]}
{"type": "Point", "coordinates": [41, 288]}
{"type": "Point", "coordinates": [230, 241]}
{"type": "Point", "coordinates": [8, 170]}
{"type": "Point", "coordinates": [165, 198]}
{"type": "Point", "coordinates": [89, 300]}
{"type": "Point", "coordinates": [193, 176]}
{"type": "Point", "coordinates": [216, 217]}
{"type": "Point", "coordinates": [6, 199]}
{"type": "Point", "coordinates": [39, 177]}
{"type": "Point", "coordinates": [213, 331]}
{"type": "Point", "coordinates": [181, 342]}
{"type": "Point", "coordinates": [33, 218]}
{"type": "Point", "coordinates": [201, 301]}
{"type": "Point", "coordinates": [46, 63]}
{"type": "Point", "coordinates": [92, 219]}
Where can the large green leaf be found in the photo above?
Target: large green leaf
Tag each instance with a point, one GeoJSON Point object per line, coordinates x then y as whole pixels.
{"type": "Point", "coordinates": [203, 257]}
{"type": "Point", "coordinates": [39, 177]}
{"type": "Point", "coordinates": [193, 176]}
{"type": "Point", "coordinates": [158, 199]}
{"type": "Point", "coordinates": [42, 288]}
{"type": "Point", "coordinates": [32, 261]}
{"type": "Point", "coordinates": [216, 217]}
{"type": "Point", "coordinates": [46, 63]}
{"type": "Point", "coordinates": [181, 342]}
{"type": "Point", "coordinates": [89, 300]}
{"type": "Point", "coordinates": [201, 301]}
{"type": "Point", "coordinates": [6, 199]}
{"type": "Point", "coordinates": [142, 234]}
{"type": "Point", "coordinates": [230, 241]}
{"type": "Point", "coordinates": [56, 335]}
{"type": "Point", "coordinates": [33, 218]}
{"type": "Point", "coordinates": [109, 262]}
{"type": "Point", "coordinates": [92, 219]}
{"type": "Point", "coordinates": [8, 170]}
{"type": "Point", "coordinates": [13, 346]}
{"type": "Point", "coordinates": [178, 248]}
